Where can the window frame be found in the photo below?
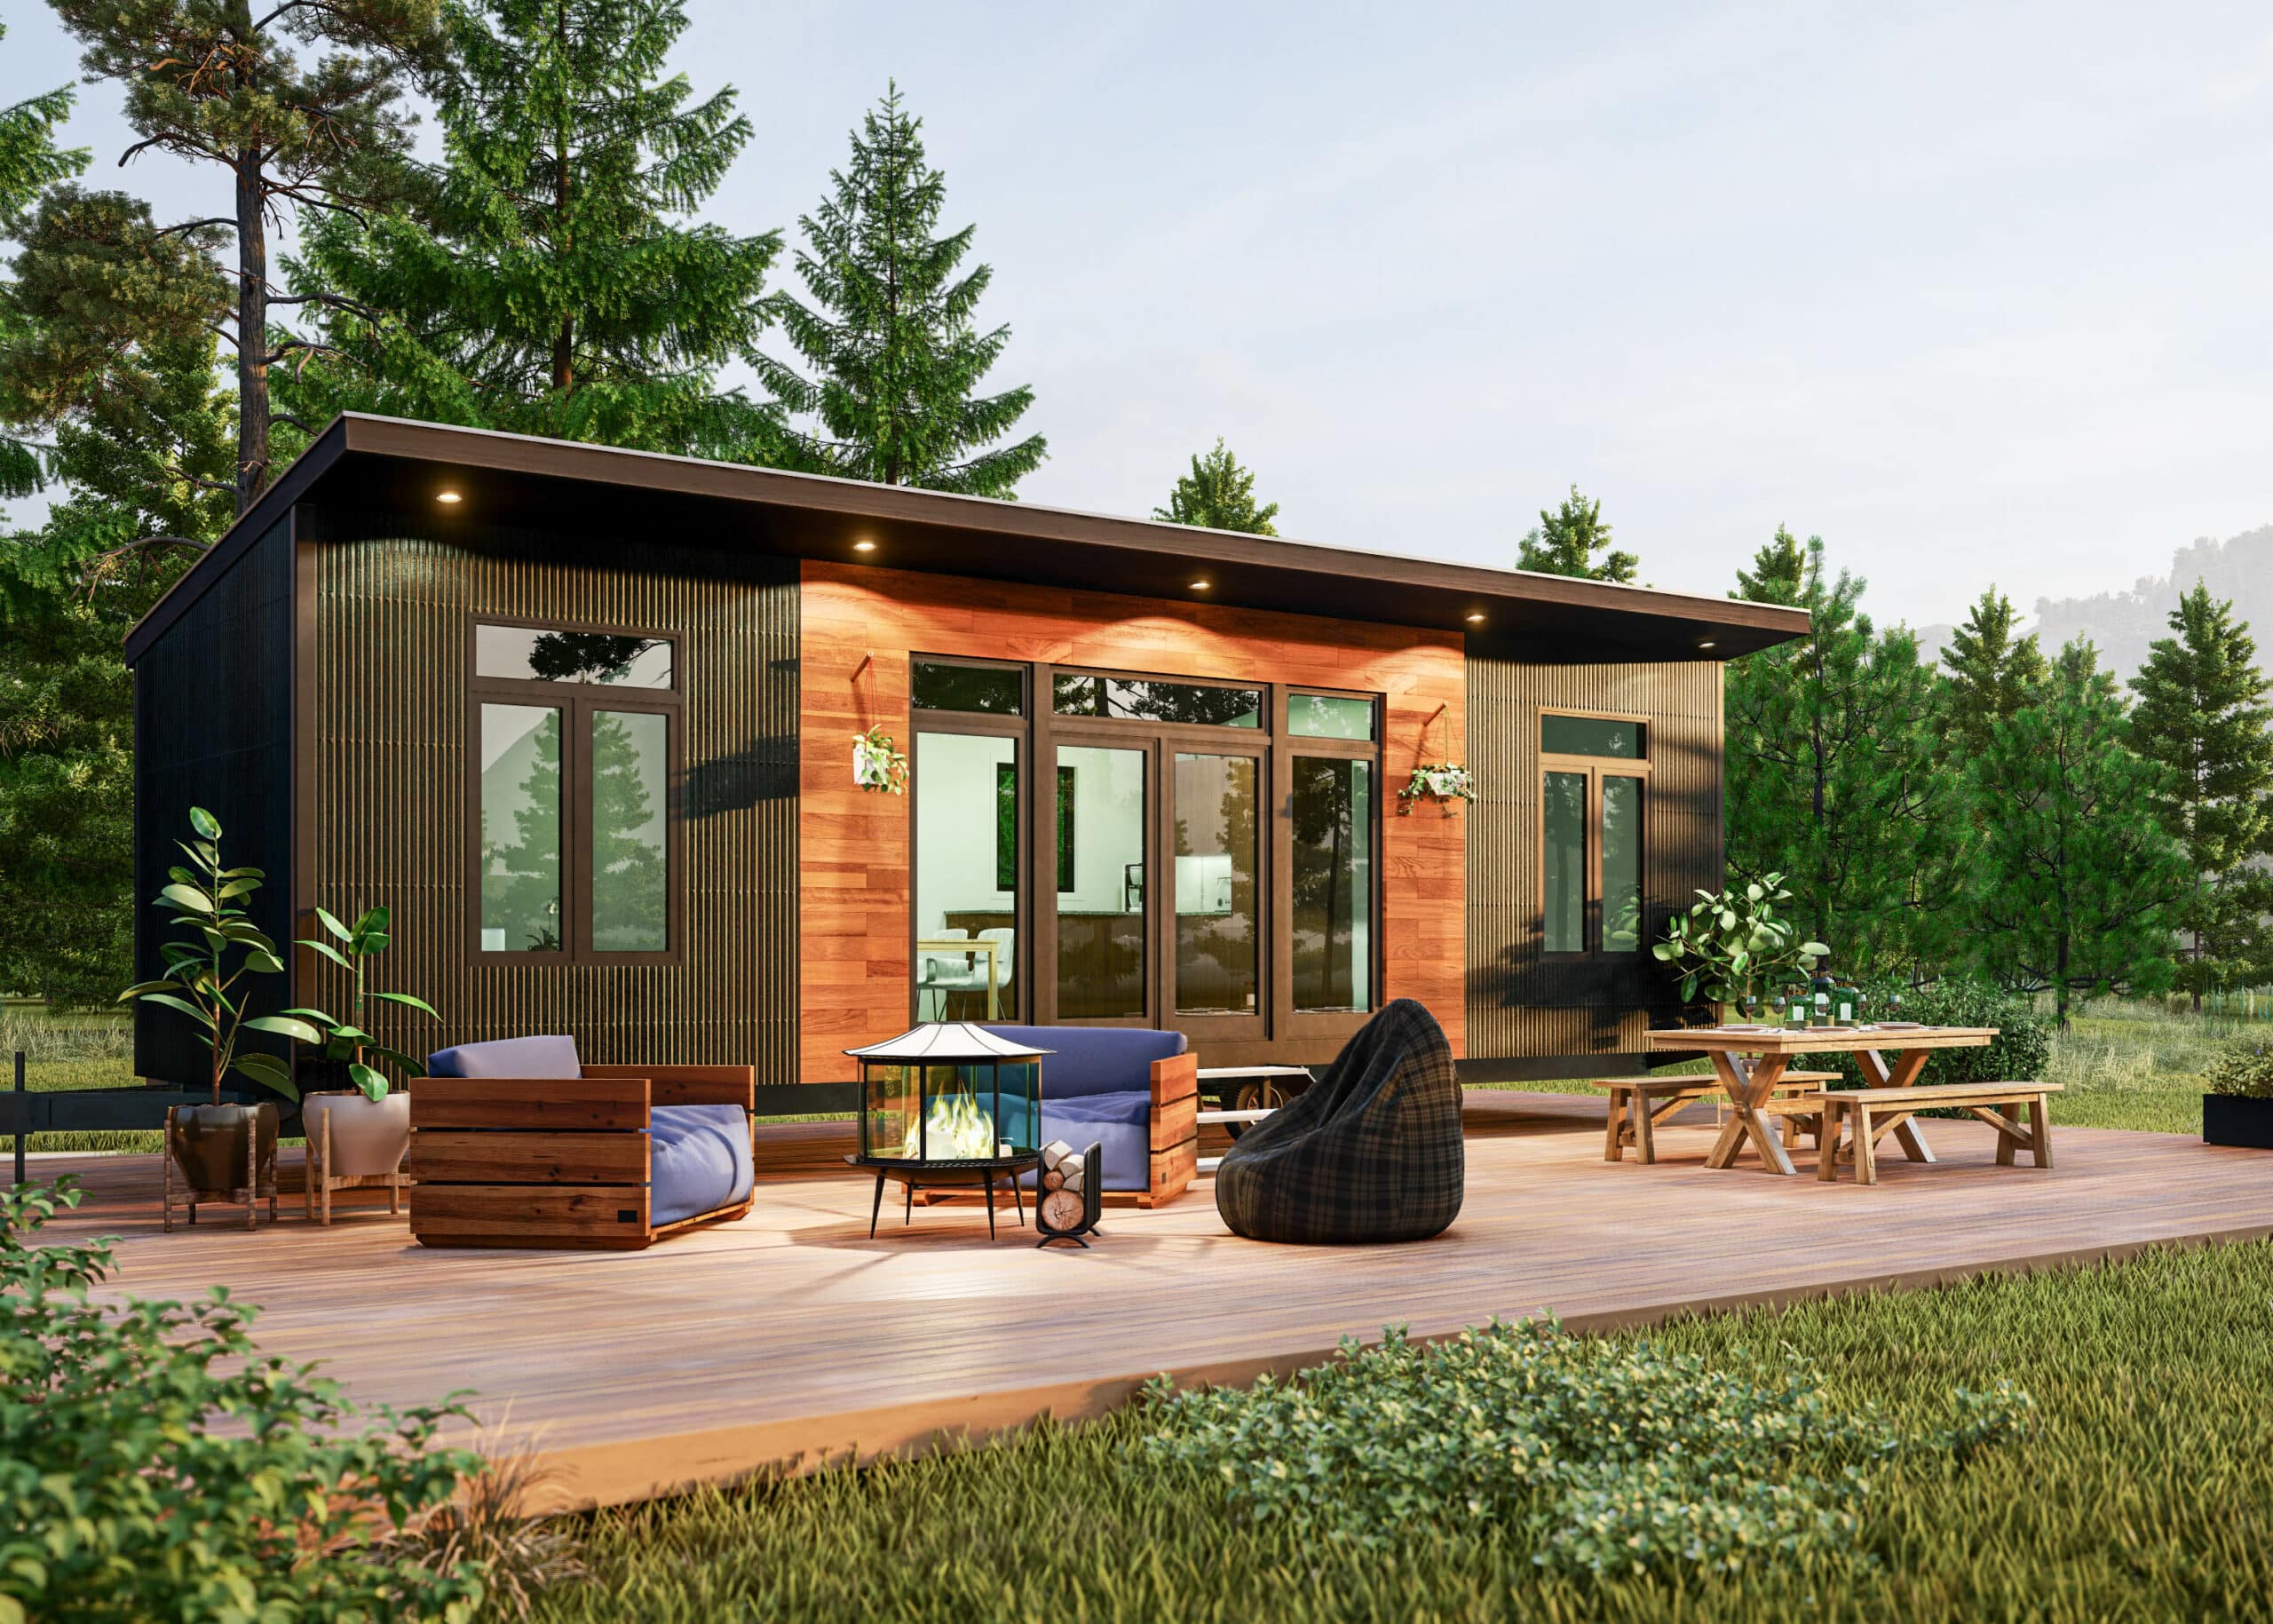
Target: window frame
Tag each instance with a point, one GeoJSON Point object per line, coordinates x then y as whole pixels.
{"type": "Point", "coordinates": [577, 703]}
{"type": "Point", "coordinates": [1595, 769]}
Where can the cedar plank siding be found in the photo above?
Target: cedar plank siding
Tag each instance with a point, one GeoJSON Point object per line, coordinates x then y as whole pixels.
{"type": "Point", "coordinates": [854, 881]}
{"type": "Point", "coordinates": [390, 810]}
{"type": "Point", "coordinates": [1519, 1006]}
{"type": "Point", "coordinates": [213, 728]}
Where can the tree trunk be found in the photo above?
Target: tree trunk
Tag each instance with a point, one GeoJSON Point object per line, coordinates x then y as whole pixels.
{"type": "Point", "coordinates": [252, 335]}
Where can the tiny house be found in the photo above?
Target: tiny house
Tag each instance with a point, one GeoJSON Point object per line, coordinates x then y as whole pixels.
{"type": "Point", "coordinates": [586, 720]}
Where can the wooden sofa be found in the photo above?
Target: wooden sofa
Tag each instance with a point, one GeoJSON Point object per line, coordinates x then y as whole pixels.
{"type": "Point", "coordinates": [556, 1161]}
{"type": "Point", "coordinates": [1135, 1089]}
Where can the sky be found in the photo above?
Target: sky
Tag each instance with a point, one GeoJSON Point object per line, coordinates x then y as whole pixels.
{"type": "Point", "coordinates": [1976, 292]}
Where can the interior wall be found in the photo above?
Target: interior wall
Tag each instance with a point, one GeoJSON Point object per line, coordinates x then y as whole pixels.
{"type": "Point", "coordinates": [858, 626]}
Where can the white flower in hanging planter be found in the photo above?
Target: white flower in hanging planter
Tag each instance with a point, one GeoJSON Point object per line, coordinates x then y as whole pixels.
{"type": "Point", "coordinates": [875, 764]}
{"type": "Point", "coordinates": [1442, 781]}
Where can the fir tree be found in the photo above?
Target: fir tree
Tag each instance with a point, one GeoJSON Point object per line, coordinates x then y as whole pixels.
{"type": "Point", "coordinates": [2202, 714]}
{"type": "Point", "coordinates": [1992, 673]}
{"type": "Point", "coordinates": [1831, 781]}
{"type": "Point", "coordinates": [891, 341]}
{"type": "Point", "coordinates": [1567, 538]}
{"type": "Point", "coordinates": [212, 82]}
{"type": "Point", "coordinates": [30, 163]}
{"type": "Point", "coordinates": [555, 283]}
{"type": "Point", "coordinates": [2077, 885]}
{"type": "Point", "coordinates": [1779, 571]}
{"type": "Point", "coordinates": [1218, 495]}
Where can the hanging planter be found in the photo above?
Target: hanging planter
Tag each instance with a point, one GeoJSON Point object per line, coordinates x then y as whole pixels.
{"type": "Point", "coordinates": [876, 765]}
{"type": "Point", "coordinates": [1441, 781]}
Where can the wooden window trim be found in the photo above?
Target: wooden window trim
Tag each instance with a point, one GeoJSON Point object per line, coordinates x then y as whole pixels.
{"type": "Point", "coordinates": [1594, 768]}
{"type": "Point", "coordinates": [577, 701]}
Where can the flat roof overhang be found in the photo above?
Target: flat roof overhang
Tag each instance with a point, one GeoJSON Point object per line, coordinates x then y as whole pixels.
{"type": "Point", "coordinates": [386, 464]}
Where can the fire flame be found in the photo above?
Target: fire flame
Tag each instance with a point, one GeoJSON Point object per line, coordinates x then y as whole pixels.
{"type": "Point", "coordinates": [956, 1129]}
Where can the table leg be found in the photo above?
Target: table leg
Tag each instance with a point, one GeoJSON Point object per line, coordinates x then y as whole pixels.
{"type": "Point", "coordinates": [1826, 1144]}
{"type": "Point", "coordinates": [1613, 1138]}
{"type": "Point", "coordinates": [1907, 1064]}
{"type": "Point", "coordinates": [1866, 1160]}
{"type": "Point", "coordinates": [2005, 1146]}
{"type": "Point", "coordinates": [1750, 1087]}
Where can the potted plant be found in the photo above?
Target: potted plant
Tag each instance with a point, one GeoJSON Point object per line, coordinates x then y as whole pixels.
{"type": "Point", "coordinates": [226, 1152]}
{"type": "Point", "coordinates": [358, 1134]}
{"type": "Point", "coordinates": [1730, 943]}
{"type": "Point", "coordinates": [877, 764]}
{"type": "Point", "coordinates": [2238, 1107]}
{"type": "Point", "coordinates": [1441, 781]}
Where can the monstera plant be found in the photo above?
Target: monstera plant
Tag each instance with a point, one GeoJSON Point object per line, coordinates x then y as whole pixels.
{"type": "Point", "coordinates": [1730, 943]}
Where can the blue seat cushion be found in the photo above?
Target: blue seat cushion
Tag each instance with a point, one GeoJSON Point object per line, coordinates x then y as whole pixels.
{"type": "Point", "coordinates": [1120, 1122]}
{"type": "Point", "coordinates": [1096, 1059]}
{"type": "Point", "coordinates": [545, 1057]}
{"type": "Point", "coordinates": [698, 1160]}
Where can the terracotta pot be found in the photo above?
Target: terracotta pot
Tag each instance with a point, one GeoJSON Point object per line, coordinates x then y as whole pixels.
{"type": "Point", "coordinates": [367, 1136]}
{"type": "Point", "coordinates": [208, 1149]}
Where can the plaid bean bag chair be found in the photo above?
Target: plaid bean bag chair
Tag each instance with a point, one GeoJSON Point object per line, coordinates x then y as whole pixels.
{"type": "Point", "coordinates": [1370, 1152]}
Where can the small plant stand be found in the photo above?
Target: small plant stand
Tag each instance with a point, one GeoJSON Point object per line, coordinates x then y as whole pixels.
{"type": "Point", "coordinates": [250, 1196]}
{"type": "Point", "coordinates": [321, 1181]}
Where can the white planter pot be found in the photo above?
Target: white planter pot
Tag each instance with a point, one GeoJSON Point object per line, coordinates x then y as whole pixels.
{"type": "Point", "coordinates": [367, 1136]}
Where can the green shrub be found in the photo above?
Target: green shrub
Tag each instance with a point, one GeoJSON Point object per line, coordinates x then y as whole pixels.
{"type": "Point", "coordinates": [152, 1465]}
{"type": "Point", "coordinates": [2021, 1052]}
{"type": "Point", "coordinates": [1605, 1457]}
{"type": "Point", "coordinates": [2244, 1067]}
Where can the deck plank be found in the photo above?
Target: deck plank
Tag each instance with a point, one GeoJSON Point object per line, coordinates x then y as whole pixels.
{"type": "Point", "coordinates": [791, 1333]}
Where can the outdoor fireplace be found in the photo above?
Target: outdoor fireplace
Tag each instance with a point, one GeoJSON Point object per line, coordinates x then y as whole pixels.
{"type": "Point", "coordinates": [949, 1103]}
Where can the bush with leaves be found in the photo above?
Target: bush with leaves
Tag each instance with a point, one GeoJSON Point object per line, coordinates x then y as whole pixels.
{"type": "Point", "coordinates": [154, 1465]}
{"type": "Point", "coordinates": [2244, 1067]}
{"type": "Point", "coordinates": [1605, 1457]}
{"type": "Point", "coordinates": [2020, 1053]}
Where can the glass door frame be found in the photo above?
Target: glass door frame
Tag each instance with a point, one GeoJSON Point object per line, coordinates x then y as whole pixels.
{"type": "Point", "coordinates": [1023, 950]}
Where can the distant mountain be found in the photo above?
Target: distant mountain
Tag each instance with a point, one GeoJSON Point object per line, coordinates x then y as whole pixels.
{"type": "Point", "coordinates": [2124, 623]}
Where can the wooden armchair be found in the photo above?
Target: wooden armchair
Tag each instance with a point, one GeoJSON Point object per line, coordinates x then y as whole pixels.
{"type": "Point", "coordinates": [560, 1162]}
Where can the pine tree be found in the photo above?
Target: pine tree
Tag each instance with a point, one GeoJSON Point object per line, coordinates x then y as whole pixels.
{"type": "Point", "coordinates": [1218, 495]}
{"type": "Point", "coordinates": [1832, 779]}
{"type": "Point", "coordinates": [1779, 571]}
{"type": "Point", "coordinates": [210, 82]}
{"type": "Point", "coordinates": [891, 338]}
{"type": "Point", "coordinates": [554, 282]}
{"type": "Point", "coordinates": [2077, 887]}
{"type": "Point", "coordinates": [2202, 714]}
{"type": "Point", "coordinates": [30, 163]}
{"type": "Point", "coordinates": [1992, 673]}
{"type": "Point", "coordinates": [1567, 538]}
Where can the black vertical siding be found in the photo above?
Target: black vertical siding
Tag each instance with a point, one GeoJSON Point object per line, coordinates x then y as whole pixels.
{"type": "Point", "coordinates": [213, 728]}
{"type": "Point", "coordinates": [393, 774]}
{"type": "Point", "coordinates": [1519, 1005]}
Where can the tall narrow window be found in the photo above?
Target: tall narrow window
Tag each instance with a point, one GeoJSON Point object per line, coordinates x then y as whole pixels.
{"type": "Point", "coordinates": [1594, 793]}
{"type": "Point", "coordinates": [966, 790]}
{"type": "Point", "coordinates": [1216, 956]}
{"type": "Point", "coordinates": [1102, 803]}
{"type": "Point", "coordinates": [1331, 883]}
{"type": "Point", "coordinates": [578, 735]}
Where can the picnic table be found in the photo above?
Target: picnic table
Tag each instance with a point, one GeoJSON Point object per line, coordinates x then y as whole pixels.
{"type": "Point", "coordinates": [1749, 1059]}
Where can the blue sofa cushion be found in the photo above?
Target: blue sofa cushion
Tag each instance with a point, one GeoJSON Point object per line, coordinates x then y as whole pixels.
{"type": "Point", "coordinates": [1096, 1059]}
{"type": "Point", "coordinates": [698, 1160]}
{"type": "Point", "coordinates": [547, 1057]}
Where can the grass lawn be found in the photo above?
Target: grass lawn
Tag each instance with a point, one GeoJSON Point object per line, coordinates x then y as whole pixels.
{"type": "Point", "coordinates": [2144, 1492]}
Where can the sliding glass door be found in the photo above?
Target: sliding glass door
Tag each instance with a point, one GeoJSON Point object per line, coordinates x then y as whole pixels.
{"type": "Point", "coordinates": [1103, 816]}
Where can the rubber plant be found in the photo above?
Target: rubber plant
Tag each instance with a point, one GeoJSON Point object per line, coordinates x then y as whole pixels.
{"type": "Point", "coordinates": [348, 1040]}
{"type": "Point", "coordinates": [206, 971]}
{"type": "Point", "coordinates": [1732, 941]}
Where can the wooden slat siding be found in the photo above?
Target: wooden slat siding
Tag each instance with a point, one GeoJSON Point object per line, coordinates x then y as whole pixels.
{"type": "Point", "coordinates": [213, 728]}
{"type": "Point", "coordinates": [853, 845]}
{"type": "Point", "coordinates": [445, 1156]}
{"type": "Point", "coordinates": [1520, 1006]}
{"type": "Point", "coordinates": [394, 768]}
{"type": "Point", "coordinates": [792, 1331]}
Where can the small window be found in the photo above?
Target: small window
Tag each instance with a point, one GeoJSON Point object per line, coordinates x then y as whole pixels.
{"type": "Point", "coordinates": [1326, 716]}
{"type": "Point", "coordinates": [1591, 736]}
{"type": "Point", "coordinates": [1151, 700]}
{"type": "Point", "coordinates": [987, 690]}
{"type": "Point", "coordinates": [531, 653]}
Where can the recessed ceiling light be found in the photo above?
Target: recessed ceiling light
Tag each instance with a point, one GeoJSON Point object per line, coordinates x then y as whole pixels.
{"type": "Point", "coordinates": [449, 499]}
{"type": "Point", "coordinates": [864, 547]}
{"type": "Point", "coordinates": [1203, 584]}
{"type": "Point", "coordinates": [1705, 643]}
{"type": "Point", "coordinates": [1476, 619]}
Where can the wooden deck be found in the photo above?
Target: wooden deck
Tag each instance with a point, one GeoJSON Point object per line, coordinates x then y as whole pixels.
{"type": "Point", "coordinates": [790, 1333]}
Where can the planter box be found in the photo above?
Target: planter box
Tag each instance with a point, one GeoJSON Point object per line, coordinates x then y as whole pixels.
{"type": "Point", "coordinates": [2234, 1118]}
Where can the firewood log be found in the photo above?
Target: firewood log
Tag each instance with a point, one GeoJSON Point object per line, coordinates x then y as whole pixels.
{"type": "Point", "coordinates": [1052, 1179]}
{"type": "Point", "coordinates": [1073, 1167]}
{"type": "Point", "coordinates": [1061, 1210]}
{"type": "Point", "coordinates": [1054, 1152]}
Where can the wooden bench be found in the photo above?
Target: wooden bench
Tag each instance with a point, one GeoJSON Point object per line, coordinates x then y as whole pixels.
{"type": "Point", "coordinates": [1876, 1112]}
{"type": "Point", "coordinates": [1638, 1103]}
